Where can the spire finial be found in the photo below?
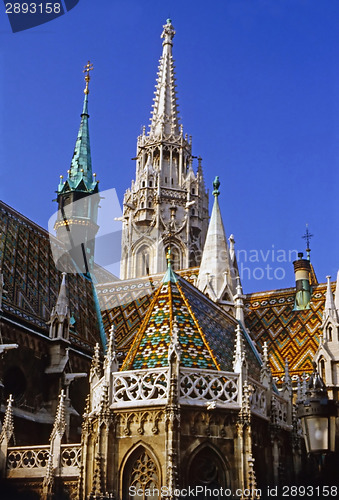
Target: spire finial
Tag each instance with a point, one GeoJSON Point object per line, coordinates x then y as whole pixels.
{"type": "Point", "coordinates": [169, 275]}
{"type": "Point", "coordinates": [168, 257]}
{"type": "Point", "coordinates": [7, 430]}
{"type": "Point", "coordinates": [87, 69]}
{"type": "Point", "coordinates": [216, 184]}
{"type": "Point", "coordinates": [168, 32]}
{"type": "Point", "coordinates": [59, 426]}
{"type": "Point", "coordinates": [307, 236]}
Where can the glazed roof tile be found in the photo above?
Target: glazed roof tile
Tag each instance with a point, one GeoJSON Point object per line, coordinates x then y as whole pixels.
{"type": "Point", "coordinates": [32, 281]}
{"type": "Point", "coordinates": [291, 335]}
{"type": "Point", "coordinates": [205, 332]}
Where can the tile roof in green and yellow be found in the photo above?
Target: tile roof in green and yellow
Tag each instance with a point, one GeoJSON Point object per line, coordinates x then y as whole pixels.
{"type": "Point", "coordinates": [205, 332]}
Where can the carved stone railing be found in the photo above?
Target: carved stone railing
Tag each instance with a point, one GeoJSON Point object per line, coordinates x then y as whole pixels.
{"type": "Point", "coordinates": [146, 387]}
{"type": "Point", "coordinates": [32, 462]}
{"type": "Point", "coordinates": [202, 387]}
{"type": "Point", "coordinates": [258, 398]}
{"type": "Point", "coordinates": [27, 462]}
{"type": "Point", "coordinates": [70, 460]}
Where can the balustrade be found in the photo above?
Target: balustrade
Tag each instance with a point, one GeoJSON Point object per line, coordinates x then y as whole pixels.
{"type": "Point", "coordinates": [131, 388]}
{"type": "Point", "coordinates": [207, 386]}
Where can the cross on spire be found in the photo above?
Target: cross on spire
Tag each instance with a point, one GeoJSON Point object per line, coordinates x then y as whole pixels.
{"type": "Point", "coordinates": [307, 236]}
{"type": "Point", "coordinates": [87, 69]}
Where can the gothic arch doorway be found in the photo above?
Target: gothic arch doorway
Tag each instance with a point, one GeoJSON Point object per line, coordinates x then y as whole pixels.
{"type": "Point", "coordinates": [141, 476]}
{"type": "Point", "coordinates": [208, 470]}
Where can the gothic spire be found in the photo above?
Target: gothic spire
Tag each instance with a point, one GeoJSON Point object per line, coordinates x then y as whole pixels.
{"type": "Point", "coordinates": [330, 309]}
{"type": "Point", "coordinates": [216, 272]}
{"type": "Point", "coordinates": [59, 425]}
{"type": "Point", "coordinates": [61, 306]}
{"type": "Point", "coordinates": [239, 355]}
{"type": "Point", "coordinates": [8, 425]}
{"type": "Point", "coordinates": [164, 117]}
{"type": "Point", "coordinates": [60, 315]}
{"type": "Point", "coordinates": [80, 176]}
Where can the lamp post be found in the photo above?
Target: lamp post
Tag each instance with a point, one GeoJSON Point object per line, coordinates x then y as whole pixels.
{"type": "Point", "coordinates": [318, 418]}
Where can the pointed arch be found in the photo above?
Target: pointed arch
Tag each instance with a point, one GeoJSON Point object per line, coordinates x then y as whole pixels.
{"type": "Point", "coordinates": [329, 333]}
{"type": "Point", "coordinates": [207, 466]}
{"type": "Point", "coordinates": [140, 469]}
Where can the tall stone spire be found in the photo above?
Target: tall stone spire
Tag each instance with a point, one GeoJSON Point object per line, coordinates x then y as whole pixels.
{"type": "Point", "coordinates": [76, 224]}
{"type": "Point", "coordinates": [165, 108]}
{"type": "Point", "coordinates": [216, 274]}
{"type": "Point", "coordinates": [167, 204]}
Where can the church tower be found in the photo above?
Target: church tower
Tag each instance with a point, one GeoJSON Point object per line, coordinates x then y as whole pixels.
{"type": "Point", "coordinates": [167, 204]}
{"type": "Point", "coordinates": [78, 197]}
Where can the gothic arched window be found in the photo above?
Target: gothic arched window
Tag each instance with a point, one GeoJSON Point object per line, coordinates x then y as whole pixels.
{"type": "Point", "coordinates": [141, 477]}
{"type": "Point", "coordinates": [207, 470]}
{"type": "Point", "coordinates": [329, 331]}
{"type": "Point", "coordinates": [143, 261]}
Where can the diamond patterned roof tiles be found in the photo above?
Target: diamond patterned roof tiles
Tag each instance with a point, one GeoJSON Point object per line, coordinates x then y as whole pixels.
{"type": "Point", "coordinates": [205, 332]}
{"type": "Point", "coordinates": [291, 335]}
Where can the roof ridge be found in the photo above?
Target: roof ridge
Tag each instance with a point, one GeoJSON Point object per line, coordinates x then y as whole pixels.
{"type": "Point", "coordinates": [137, 339]}
{"type": "Point", "coordinates": [197, 325]}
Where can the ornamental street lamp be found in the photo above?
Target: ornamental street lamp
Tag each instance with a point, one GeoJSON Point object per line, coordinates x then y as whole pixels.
{"type": "Point", "coordinates": [318, 416]}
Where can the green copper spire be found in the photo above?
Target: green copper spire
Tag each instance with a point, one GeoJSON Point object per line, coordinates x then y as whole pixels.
{"type": "Point", "coordinates": [80, 176]}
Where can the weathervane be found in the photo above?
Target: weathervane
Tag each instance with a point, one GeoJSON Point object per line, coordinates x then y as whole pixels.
{"type": "Point", "coordinates": [307, 236]}
{"type": "Point", "coordinates": [87, 69]}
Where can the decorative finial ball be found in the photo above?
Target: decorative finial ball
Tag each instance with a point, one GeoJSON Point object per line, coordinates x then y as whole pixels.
{"type": "Point", "coordinates": [169, 21]}
{"type": "Point", "coordinates": [216, 185]}
{"type": "Point", "coordinates": [61, 176]}
{"type": "Point", "coordinates": [94, 175]}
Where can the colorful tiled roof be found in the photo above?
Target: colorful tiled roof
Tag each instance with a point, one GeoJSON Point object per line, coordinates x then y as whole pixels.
{"type": "Point", "coordinates": [125, 303]}
{"type": "Point", "coordinates": [291, 335]}
{"type": "Point", "coordinates": [32, 281]}
{"type": "Point", "coordinates": [205, 332]}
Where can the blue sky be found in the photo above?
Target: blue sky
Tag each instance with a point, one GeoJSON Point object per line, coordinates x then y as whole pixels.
{"type": "Point", "coordinates": [258, 89]}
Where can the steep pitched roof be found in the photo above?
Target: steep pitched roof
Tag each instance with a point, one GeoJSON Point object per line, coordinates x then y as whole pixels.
{"type": "Point", "coordinates": [124, 303]}
{"type": "Point", "coordinates": [205, 332]}
{"type": "Point", "coordinates": [291, 335]}
{"type": "Point", "coordinates": [32, 281]}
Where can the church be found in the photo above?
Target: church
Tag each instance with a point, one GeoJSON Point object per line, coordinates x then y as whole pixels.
{"type": "Point", "coordinates": [169, 382]}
